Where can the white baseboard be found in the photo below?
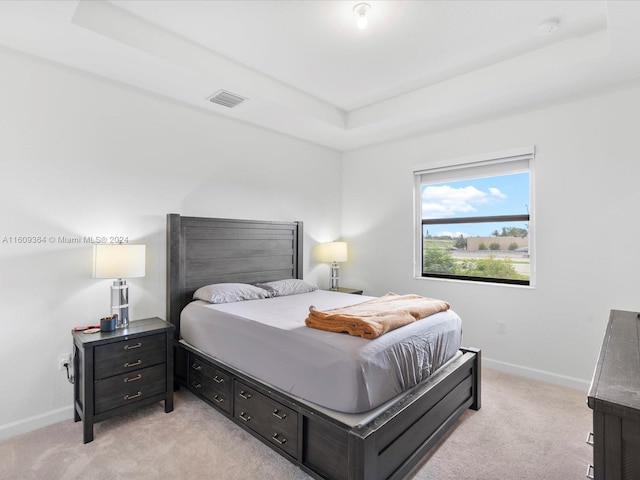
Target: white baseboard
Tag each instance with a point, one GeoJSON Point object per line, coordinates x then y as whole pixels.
{"type": "Point", "coordinates": [34, 423]}
{"type": "Point", "coordinates": [536, 374]}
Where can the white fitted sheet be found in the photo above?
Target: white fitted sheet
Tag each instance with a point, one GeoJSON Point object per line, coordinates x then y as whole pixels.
{"type": "Point", "coordinates": [269, 340]}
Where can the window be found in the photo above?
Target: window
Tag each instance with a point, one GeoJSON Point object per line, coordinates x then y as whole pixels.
{"type": "Point", "coordinates": [474, 219]}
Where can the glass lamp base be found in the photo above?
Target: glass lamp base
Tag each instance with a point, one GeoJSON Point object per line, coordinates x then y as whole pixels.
{"type": "Point", "coordinates": [120, 302]}
{"type": "Point", "coordinates": [335, 276]}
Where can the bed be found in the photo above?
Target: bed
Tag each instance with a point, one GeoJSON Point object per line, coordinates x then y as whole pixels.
{"type": "Point", "coordinates": [380, 435]}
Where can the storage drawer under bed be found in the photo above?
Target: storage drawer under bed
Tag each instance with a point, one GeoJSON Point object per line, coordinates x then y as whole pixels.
{"type": "Point", "coordinates": [272, 420]}
{"type": "Point", "coordinates": [209, 382]}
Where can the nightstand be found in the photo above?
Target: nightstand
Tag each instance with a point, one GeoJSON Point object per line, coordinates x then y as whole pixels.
{"type": "Point", "coordinates": [117, 372]}
{"type": "Point", "coordinates": [348, 290]}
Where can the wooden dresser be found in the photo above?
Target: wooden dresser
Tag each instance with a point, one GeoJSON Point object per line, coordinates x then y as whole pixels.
{"type": "Point", "coordinates": [614, 397]}
{"type": "Point", "coordinates": [119, 371]}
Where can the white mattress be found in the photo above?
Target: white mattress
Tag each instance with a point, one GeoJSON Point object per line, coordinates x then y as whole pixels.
{"type": "Point", "coordinates": [269, 340]}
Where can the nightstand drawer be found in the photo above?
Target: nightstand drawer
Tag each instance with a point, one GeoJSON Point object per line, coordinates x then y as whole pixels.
{"type": "Point", "coordinates": [130, 355]}
{"type": "Point", "coordinates": [130, 387]}
{"type": "Point", "coordinates": [272, 420]}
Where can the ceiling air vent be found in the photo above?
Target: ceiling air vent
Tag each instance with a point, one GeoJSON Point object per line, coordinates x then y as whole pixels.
{"type": "Point", "coordinates": [226, 99]}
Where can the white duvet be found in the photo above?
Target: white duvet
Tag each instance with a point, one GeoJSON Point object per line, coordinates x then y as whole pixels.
{"type": "Point", "coordinates": [269, 340]}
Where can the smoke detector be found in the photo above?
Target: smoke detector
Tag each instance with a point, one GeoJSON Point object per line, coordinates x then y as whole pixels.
{"type": "Point", "coordinates": [548, 27]}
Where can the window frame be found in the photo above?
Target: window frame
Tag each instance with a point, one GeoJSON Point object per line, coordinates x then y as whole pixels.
{"type": "Point", "coordinates": [477, 166]}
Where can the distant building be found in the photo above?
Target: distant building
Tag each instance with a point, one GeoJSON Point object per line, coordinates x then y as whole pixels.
{"type": "Point", "coordinates": [473, 243]}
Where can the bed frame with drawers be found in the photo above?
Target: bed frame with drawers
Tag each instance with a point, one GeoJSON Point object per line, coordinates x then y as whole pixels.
{"type": "Point", "coordinates": [202, 251]}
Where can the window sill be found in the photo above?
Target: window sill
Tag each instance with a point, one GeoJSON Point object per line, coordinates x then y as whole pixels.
{"type": "Point", "coordinates": [471, 282]}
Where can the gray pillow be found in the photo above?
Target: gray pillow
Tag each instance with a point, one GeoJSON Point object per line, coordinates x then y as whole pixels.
{"type": "Point", "coordinates": [230, 292]}
{"type": "Point", "coordinates": [291, 286]}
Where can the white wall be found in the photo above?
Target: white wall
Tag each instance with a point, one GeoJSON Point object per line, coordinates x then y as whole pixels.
{"type": "Point", "coordinates": [83, 156]}
{"type": "Point", "coordinates": [586, 186]}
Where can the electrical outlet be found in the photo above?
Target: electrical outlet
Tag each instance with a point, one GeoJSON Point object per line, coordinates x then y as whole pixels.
{"type": "Point", "coordinates": [502, 328]}
{"type": "Point", "coordinates": [64, 359]}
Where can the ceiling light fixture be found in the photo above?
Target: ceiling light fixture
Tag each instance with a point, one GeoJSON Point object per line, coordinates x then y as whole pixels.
{"type": "Point", "coordinates": [361, 10]}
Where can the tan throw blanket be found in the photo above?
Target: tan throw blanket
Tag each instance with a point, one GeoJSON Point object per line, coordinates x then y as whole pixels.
{"type": "Point", "coordinates": [372, 318]}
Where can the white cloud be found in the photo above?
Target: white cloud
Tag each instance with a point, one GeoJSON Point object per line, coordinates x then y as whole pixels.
{"type": "Point", "coordinates": [445, 201]}
{"type": "Point", "coordinates": [446, 233]}
{"type": "Point", "coordinates": [441, 201]}
{"type": "Point", "coordinates": [497, 193]}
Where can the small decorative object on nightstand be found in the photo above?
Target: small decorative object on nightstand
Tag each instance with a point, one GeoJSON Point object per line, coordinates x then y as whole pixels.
{"type": "Point", "coordinates": [117, 372]}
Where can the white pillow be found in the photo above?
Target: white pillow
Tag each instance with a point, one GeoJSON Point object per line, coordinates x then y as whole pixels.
{"type": "Point", "coordinates": [291, 286]}
{"type": "Point", "coordinates": [230, 292]}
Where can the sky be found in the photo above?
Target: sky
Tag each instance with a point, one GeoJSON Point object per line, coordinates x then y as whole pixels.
{"type": "Point", "coordinates": [497, 195]}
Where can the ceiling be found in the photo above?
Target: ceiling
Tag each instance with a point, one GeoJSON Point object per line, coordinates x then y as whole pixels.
{"type": "Point", "coordinates": [307, 71]}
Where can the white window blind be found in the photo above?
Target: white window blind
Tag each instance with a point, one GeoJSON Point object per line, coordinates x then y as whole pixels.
{"type": "Point", "coordinates": [500, 163]}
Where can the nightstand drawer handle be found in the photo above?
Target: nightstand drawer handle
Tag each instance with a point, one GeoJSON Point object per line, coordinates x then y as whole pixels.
{"type": "Point", "coordinates": [590, 439]}
{"type": "Point", "coordinates": [131, 397]}
{"type": "Point", "coordinates": [196, 385]}
{"type": "Point", "coordinates": [590, 471]}
{"type": "Point", "coordinates": [196, 367]}
{"type": "Point", "coordinates": [133, 379]}
{"type": "Point", "coordinates": [277, 440]}
{"type": "Point", "coordinates": [134, 364]}
{"type": "Point", "coordinates": [244, 416]}
{"type": "Point", "coordinates": [217, 379]}
{"type": "Point", "coordinates": [245, 395]}
{"type": "Point", "coordinates": [131, 347]}
{"type": "Point", "coordinates": [277, 414]}
{"type": "Point", "coordinates": [218, 399]}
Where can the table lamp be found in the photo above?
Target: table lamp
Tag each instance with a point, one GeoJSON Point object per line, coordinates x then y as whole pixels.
{"type": "Point", "coordinates": [334, 252]}
{"type": "Point", "coordinates": [119, 262]}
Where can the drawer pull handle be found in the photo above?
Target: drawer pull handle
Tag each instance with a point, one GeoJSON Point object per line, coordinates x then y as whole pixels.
{"type": "Point", "coordinates": [131, 347]}
{"type": "Point", "coordinates": [277, 414]}
{"type": "Point", "coordinates": [133, 379]}
{"type": "Point", "coordinates": [278, 440]}
{"type": "Point", "coordinates": [218, 399]}
{"type": "Point", "coordinates": [590, 471]}
{"type": "Point", "coordinates": [244, 416]}
{"type": "Point", "coordinates": [245, 395]}
{"type": "Point", "coordinates": [196, 367]}
{"type": "Point", "coordinates": [134, 364]}
{"type": "Point", "coordinates": [196, 385]}
{"type": "Point", "coordinates": [589, 439]}
{"type": "Point", "coordinates": [131, 397]}
{"type": "Point", "coordinates": [217, 379]}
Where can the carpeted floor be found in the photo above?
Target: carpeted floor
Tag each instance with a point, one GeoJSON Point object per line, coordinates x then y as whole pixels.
{"type": "Point", "coordinates": [524, 430]}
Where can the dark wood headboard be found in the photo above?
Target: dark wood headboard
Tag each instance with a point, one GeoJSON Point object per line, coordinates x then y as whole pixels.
{"type": "Point", "coordinates": [202, 251]}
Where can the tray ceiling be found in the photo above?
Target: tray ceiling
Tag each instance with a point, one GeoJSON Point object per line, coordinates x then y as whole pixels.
{"type": "Point", "coordinates": [305, 70]}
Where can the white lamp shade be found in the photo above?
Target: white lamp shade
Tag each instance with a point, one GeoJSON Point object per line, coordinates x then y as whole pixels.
{"type": "Point", "coordinates": [118, 261]}
{"type": "Point", "coordinates": [333, 252]}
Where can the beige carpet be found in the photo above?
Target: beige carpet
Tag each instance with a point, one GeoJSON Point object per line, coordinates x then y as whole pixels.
{"type": "Point", "coordinates": [525, 430]}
